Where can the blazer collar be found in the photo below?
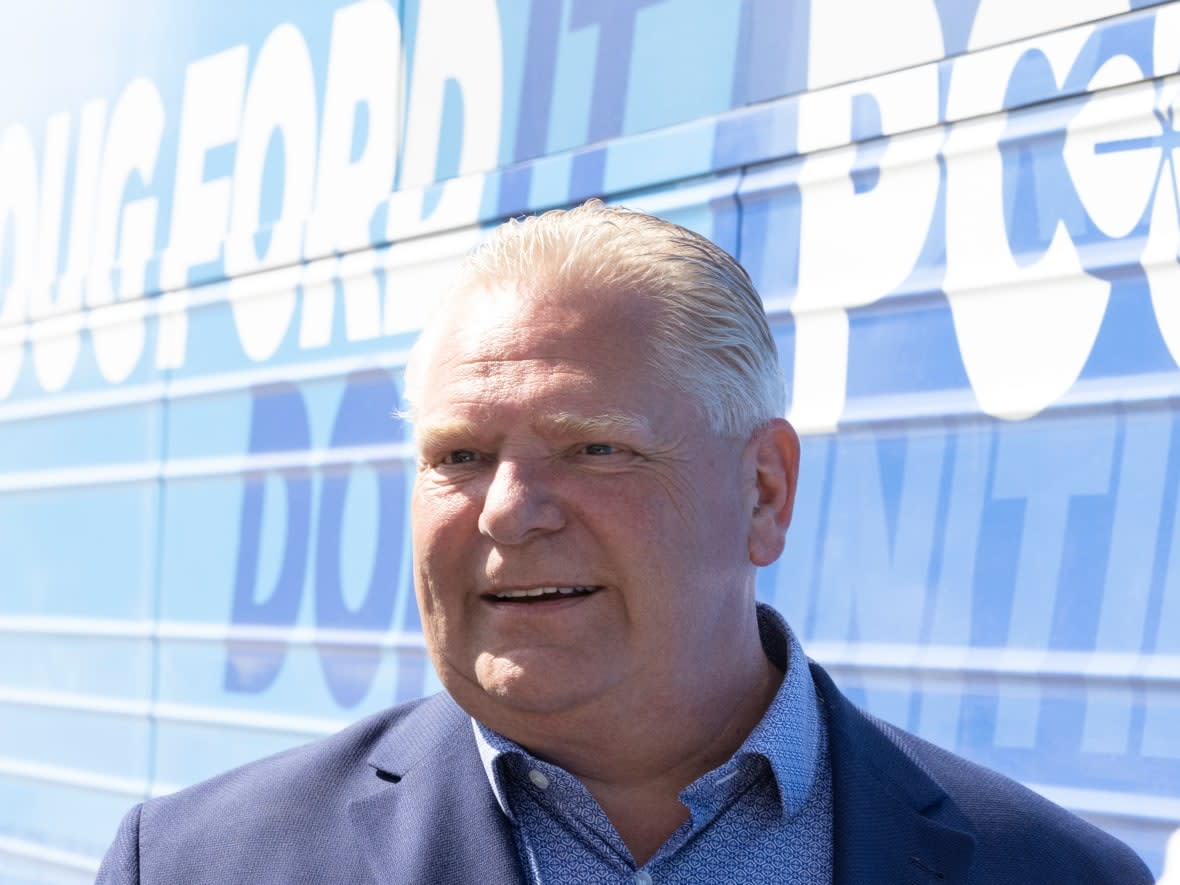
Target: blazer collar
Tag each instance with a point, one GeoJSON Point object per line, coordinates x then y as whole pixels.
{"type": "Point", "coordinates": [893, 822]}
{"type": "Point", "coordinates": [432, 817]}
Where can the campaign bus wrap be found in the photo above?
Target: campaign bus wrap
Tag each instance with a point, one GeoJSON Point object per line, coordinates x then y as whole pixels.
{"type": "Point", "coordinates": [223, 224]}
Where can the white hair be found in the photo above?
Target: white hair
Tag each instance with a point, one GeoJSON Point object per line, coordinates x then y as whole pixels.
{"type": "Point", "coordinates": [710, 339]}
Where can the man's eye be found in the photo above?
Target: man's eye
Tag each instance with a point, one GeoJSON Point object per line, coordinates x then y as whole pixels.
{"type": "Point", "coordinates": [460, 456]}
{"type": "Point", "coordinates": [599, 449]}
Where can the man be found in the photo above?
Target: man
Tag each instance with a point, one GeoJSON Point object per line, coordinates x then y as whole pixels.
{"type": "Point", "coordinates": [603, 466]}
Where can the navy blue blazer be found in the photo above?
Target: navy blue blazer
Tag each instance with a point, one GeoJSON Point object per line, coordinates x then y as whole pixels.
{"type": "Point", "coordinates": [401, 797]}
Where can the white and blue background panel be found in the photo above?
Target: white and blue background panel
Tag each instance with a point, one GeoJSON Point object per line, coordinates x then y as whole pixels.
{"type": "Point", "coordinates": [219, 235]}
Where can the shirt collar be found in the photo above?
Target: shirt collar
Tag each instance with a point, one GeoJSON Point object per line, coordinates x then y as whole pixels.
{"type": "Point", "coordinates": [494, 750]}
{"type": "Point", "coordinates": [790, 734]}
{"type": "Point", "coordinates": [789, 737]}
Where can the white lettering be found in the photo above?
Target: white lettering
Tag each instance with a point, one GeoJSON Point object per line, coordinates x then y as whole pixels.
{"type": "Point", "coordinates": [472, 57]}
{"type": "Point", "coordinates": [18, 215]}
{"type": "Point", "coordinates": [416, 271]}
{"type": "Point", "coordinates": [1024, 328]}
{"type": "Point", "coordinates": [132, 146]}
{"type": "Point", "coordinates": [999, 21]}
{"type": "Point", "coordinates": [846, 39]}
{"type": "Point", "coordinates": [211, 112]}
{"type": "Point", "coordinates": [364, 70]}
{"type": "Point", "coordinates": [280, 100]}
{"type": "Point", "coordinates": [362, 297]}
{"type": "Point", "coordinates": [53, 186]}
{"type": "Point", "coordinates": [1114, 185]}
{"type": "Point", "coordinates": [319, 303]}
{"type": "Point", "coordinates": [57, 331]}
{"type": "Point", "coordinates": [894, 195]}
{"type": "Point", "coordinates": [1161, 256]}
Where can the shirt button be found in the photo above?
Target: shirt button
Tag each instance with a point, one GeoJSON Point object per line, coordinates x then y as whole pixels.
{"type": "Point", "coordinates": [643, 877]}
{"type": "Point", "coordinates": [540, 781]}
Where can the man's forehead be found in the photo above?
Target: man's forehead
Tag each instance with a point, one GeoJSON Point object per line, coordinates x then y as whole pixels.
{"type": "Point", "coordinates": [494, 330]}
{"type": "Point", "coordinates": [502, 342]}
{"type": "Point", "coordinates": [478, 305]}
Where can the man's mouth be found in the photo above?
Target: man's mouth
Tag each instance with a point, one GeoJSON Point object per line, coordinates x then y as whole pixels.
{"type": "Point", "coordinates": [543, 594]}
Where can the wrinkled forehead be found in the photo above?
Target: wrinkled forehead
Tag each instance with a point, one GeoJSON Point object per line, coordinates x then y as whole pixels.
{"type": "Point", "coordinates": [564, 361]}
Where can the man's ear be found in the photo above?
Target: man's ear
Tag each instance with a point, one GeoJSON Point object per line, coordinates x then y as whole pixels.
{"type": "Point", "coordinates": [776, 460]}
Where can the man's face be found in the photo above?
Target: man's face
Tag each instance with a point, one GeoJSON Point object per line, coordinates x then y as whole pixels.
{"type": "Point", "coordinates": [580, 535]}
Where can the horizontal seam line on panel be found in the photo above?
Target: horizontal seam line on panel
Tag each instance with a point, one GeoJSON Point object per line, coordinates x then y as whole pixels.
{"type": "Point", "coordinates": [119, 707]}
{"type": "Point", "coordinates": [764, 161]}
{"type": "Point", "coordinates": [38, 853]}
{"type": "Point", "coordinates": [857, 419]}
{"type": "Point", "coordinates": [1048, 665]}
{"type": "Point", "coordinates": [896, 302]}
{"type": "Point", "coordinates": [1094, 23]}
{"type": "Point", "coordinates": [187, 468]}
{"type": "Point", "coordinates": [74, 777]}
{"type": "Point", "coordinates": [202, 632]}
{"type": "Point", "coordinates": [1001, 674]}
{"type": "Point", "coordinates": [311, 726]}
{"type": "Point", "coordinates": [781, 308]}
{"type": "Point", "coordinates": [150, 297]}
{"type": "Point", "coordinates": [174, 389]}
{"type": "Point", "coordinates": [947, 659]}
{"type": "Point", "coordinates": [72, 403]}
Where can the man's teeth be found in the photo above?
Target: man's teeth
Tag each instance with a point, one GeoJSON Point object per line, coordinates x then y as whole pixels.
{"type": "Point", "coordinates": [543, 591]}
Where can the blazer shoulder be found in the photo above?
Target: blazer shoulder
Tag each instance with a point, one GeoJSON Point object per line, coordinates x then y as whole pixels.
{"type": "Point", "coordinates": [1018, 827]}
{"type": "Point", "coordinates": [328, 763]}
{"type": "Point", "coordinates": [1020, 835]}
{"type": "Point", "coordinates": [276, 818]}
{"type": "Point", "coordinates": [120, 866]}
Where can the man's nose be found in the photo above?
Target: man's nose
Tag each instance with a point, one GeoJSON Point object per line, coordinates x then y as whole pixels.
{"type": "Point", "coordinates": [519, 504]}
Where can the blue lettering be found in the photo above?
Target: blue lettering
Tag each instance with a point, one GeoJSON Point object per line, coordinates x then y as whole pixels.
{"type": "Point", "coordinates": [878, 547]}
{"type": "Point", "coordinates": [1128, 582]}
{"type": "Point", "coordinates": [278, 422]}
{"type": "Point", "coordinates": [360, 421]}
{"type": "Point", "coordinates": [1030, 469]}
{"type": "Point", "coordinates": [615, 20]}
{"type": "Point", "coordinates": [953, 590]}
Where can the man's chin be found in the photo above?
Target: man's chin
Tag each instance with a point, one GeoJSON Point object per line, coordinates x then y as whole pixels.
{"type": "Point", "coordinates": [530, 683]}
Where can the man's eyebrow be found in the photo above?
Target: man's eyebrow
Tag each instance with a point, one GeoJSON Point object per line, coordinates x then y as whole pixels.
{"type": "Point", "coordinates": [605, 425]}
{"type": "Point", "coordinates": [442, 431]}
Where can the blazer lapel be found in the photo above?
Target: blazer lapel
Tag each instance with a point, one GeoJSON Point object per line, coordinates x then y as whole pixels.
{"type": "Point", "coordinates": [893, 822]}
{"type": "Point", "coordinates": [432, 817]}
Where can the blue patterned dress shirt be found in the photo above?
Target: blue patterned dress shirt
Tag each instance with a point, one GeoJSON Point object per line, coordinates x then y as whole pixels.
{"type": "Point", "coordinates": [763, 816]}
